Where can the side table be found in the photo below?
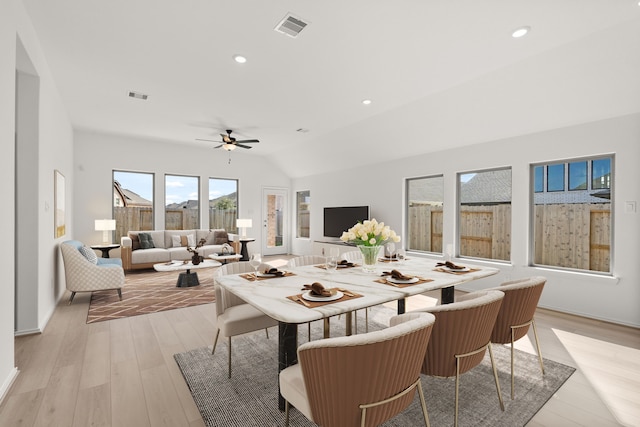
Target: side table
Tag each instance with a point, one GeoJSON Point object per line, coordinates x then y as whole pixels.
{"type": "Point", "coordinates": [243, 247]}
{"type": "Point", "coordinates": [105, 249]}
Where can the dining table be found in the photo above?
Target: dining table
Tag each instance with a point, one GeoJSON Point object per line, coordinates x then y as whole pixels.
{"type": "Point", "coordinates": [282, 296]}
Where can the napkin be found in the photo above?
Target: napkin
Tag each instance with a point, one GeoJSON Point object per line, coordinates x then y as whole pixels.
{"type": "Point", "coordinates": [317, 289]}
{"type": "Point", "coordinates": [396, 275]}
{"type": "Point", "coordinates": [273, 271]}
{"type": "Point", "coordinates": [450, 265]}
{"type": "Point", "coordinates": [394, 256]}
{"type": "Point", "coordinates": [345, 262]}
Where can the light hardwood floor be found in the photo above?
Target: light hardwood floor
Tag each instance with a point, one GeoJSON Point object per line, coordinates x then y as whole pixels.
{"type": "Point", "coordinates": [122, 372]}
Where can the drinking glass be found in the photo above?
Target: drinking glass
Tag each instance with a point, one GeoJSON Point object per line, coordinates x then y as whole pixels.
{"type": "Point", "coordinates": [332, 264]}
{"type": "Point", "coordinates": [255, 261]}
{"type": "Point", "coordinates": [390, 248]}
{"type": "Point", "coordinates": [401, 255]}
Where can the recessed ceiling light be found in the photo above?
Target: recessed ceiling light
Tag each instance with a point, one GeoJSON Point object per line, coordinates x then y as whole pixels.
{"type": "Point", "coordinates": [302, 130]}
{"type": "Point", "coordinates": [138, 95]}
{"type": "Point", "coordinates": [520, 32]}
{"type": "Point", "coordinates": [240, 59]}
{"type": "Point", "coordinates": [366, 101]}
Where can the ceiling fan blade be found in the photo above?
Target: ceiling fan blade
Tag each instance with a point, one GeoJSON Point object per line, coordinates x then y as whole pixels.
{"type": "Point", "coordinates": [218, 145]}
{"type": "Point", "coordinates": [248, 141]}
{"type": "Point", "coordinates": [241, 145]}
{"type": "Point", "coordinates": [207, 140]}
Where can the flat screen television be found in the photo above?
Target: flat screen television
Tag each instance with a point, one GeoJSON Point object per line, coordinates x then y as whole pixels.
{"type": "Point", "coordinates": [339, 219]}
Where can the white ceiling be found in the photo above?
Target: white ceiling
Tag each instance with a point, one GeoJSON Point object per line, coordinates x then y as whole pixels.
{"type": "Point", "coordinates": [441, 73]}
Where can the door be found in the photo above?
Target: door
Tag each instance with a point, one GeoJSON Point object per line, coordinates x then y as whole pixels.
{"type": "Point", "coordinates": [275, 222]}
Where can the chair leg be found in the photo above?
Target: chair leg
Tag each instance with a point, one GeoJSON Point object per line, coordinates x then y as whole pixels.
{"type": "Point", "coordinates": [266, 332]}
{"type": "Point", "coordinates": [423, 404]}
{"type": "Point", "coordinates": [215, 341]}
{"type": "Point", "coordinates": [230, 358]}
{"type": "Point", "coordinates": [73, 294]}
{"type": "Point", "coordinates": [120, 293]}
{"type": "Point", "coordinates": [309, 331]}
{"type": "Point", "coordinates": [286, 413]}
{"type": "Point", "coordinates": [535, 334]}
{"type": "Point", "coordinates": [495, 377]}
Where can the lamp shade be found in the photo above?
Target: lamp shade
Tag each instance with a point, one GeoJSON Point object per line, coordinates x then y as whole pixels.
{"type": "Point", "coordinates": [105, 224]}
{"type": "Point", "coordinates": [243, 223]}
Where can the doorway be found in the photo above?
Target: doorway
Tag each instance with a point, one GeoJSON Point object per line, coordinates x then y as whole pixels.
{"type": "Point", "coordinates": [275, 221]}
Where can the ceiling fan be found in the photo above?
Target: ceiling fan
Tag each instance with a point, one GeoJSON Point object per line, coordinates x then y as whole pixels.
{"type": "Point", "coordinates": [230, 143]}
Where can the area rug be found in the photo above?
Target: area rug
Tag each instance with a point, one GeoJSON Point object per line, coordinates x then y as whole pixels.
{"type": "Point", "coordinates": [150, 292]}
{"type": "Point", "coordinates": [249, 398]}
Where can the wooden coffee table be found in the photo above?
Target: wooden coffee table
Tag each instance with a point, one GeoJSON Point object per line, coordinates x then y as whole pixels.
{"type": "Point", "coordinates": [225, 258]}
{"type": "Point", "coordinates": [186, 278]}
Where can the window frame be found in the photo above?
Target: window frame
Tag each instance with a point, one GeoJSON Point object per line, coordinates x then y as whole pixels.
{"type": "Point", "coordinates": [298, 212]}
{"type": "Point", "coordinates": [407, 233]}
{"type": "Point", "coordinates": [113, 207]}
{"type": "Point", "coordinates": [233, 228]}
{"type": "Point", "coordinates": [198, 192]}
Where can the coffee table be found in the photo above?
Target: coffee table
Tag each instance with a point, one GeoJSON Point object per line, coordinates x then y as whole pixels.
{"type": "Point", "coordinates": [225, 258]}
{"type": "Point", "coordinates": [186, 278]}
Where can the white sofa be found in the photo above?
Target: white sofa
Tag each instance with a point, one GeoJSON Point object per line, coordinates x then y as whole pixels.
{"type": "Point", "coordinates": [166, 249]}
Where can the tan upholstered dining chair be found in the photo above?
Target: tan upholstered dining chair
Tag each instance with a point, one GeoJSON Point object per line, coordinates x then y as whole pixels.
{"type": "Point", "coordinates": [460, 338]}
{"type": "Point", "coordinates": [516, 314]}
{"type": "Point", "coordinates": [234, 315]}
{"type": "Point", "coordinates": [359, 380]}
{"type": "Point", "coordinates": [300, 261]}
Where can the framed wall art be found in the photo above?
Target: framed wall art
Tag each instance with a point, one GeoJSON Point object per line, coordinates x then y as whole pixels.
{"type": "Point", "coordinates": [59, 200]}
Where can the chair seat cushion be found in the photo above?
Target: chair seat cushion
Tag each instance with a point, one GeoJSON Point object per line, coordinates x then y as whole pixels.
{"type": "Point", "coordinates": [293, 390]}
{"type": "Point", "coordinates": [243, 318]}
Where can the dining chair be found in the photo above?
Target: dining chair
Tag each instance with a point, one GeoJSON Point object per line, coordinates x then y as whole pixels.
{"type": "Point", "coordinates": [516, 315]}
{"type": "Point", "coordinates": [234, 315]}
{"type": "Point", "coordinates": [356, 257]}
{"type": "Point", "coordinates": [461, 335]}
{"type": "Point", "coordinates": [359, 380]}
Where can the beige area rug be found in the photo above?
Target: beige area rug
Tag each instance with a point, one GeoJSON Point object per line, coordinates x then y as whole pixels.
{"type": "Point", "coordinates": [150, 291]}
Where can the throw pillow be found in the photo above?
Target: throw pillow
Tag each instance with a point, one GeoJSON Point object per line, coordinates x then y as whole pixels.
{"type": "Point", "coordinates": [135, 241]}
{"type": "Point", "coordinates": [183, 241]}
{"type": "Point", "coordinates": [210, 239]}
{"type": "Point", "coordinates": [146, 241]}
{"type": "Point", "coordinates": [220, 237]}
{"type": "Point", "coordinates": [89, 254]}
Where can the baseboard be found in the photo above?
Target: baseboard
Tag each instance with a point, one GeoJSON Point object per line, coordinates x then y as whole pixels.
{"type": "Point", "coordinates": [27, 332]}
{"type": "Point", "coordinates": [4, 390]}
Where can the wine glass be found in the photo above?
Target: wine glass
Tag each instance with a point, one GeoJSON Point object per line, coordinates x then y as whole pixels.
{"type": "Point", "coordinates": [332, 264]}
{"type": "Point", "coordinates": [401, 255]}
{"type": "Point", "coordinates": [390, 247]}
{"type": "Point", "coordinates": [255, 261]}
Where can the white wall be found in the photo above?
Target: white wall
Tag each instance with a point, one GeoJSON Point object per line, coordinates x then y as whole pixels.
{"type": "Point", "coordinates": [381, 186]}
{"type": "Point", "coordinates": [54, 146]}
{"type": "Point", "coordinates": [97, 155]}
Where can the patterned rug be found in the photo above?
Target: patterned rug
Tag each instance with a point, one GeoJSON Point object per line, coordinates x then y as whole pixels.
{"type": "Point", "coordinates": [150, 292]}
{"type": "Point", "coordinates": [249, 398]}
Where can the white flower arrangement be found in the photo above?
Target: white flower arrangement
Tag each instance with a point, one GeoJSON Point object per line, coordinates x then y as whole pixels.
{"type": "Point", "coordinates": [369, 233]}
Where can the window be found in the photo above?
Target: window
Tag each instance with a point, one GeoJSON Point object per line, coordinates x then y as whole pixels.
{"type": "Point", "coordinates": [425, 198]}
{"type": "Point", "coordinates": [223, 204]}
{"type": "Point", "coordinates": [182, 205]}
{"type": "Point", "coordinates": [577, 176]}
{"type": "Point", "coordinates": [555, 177]}
{"type": "Point", "coordinates": [303, 200]}
{"type": "Point", "coordinates": [573, 228]}
{"type": "Point", "coordinates": [132, 202]}
{"type": "Point", "coordinates": [484, 214]}
{"type": "Point", "coordinates": [538, 179]}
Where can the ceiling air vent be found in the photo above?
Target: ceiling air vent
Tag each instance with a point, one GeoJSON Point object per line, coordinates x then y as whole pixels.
{"type": "Point", "coordinates": [290, 25]}
{"type": "Point", "coordinates": [138, 95]}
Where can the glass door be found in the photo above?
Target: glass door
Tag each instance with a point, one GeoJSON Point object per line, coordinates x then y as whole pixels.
{"type": "Point", "coordinates": [275, 236]}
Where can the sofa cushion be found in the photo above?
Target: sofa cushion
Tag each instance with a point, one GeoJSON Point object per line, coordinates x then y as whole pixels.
{"type": "Point", "coordinates": [89, 254]}
{"type": "Point", "coordinates": [146, 241]}
{"type": "Point", "coordinates": [183, 240]}
{"type": "Point", "coordinates": [154, 255]}
{"type": "Point", "coordinates": [220, 237]}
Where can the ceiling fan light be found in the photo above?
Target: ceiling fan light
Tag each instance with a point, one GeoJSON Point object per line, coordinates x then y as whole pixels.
{"type": "Point", "coordinates": [229, 147]}
{"type": "Point", "coordinates": [239, 59]}
{"type": "Point", "coordinates": [520, 32]}
{"type": "Point", "coordinates": [366, 101]}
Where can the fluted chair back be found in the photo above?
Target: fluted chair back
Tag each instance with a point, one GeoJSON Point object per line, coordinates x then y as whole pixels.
{"type": "Point", "coordinates": [359, 380]}
{"type": "Point", "coordinates": [352, 256]}
{"type": "Point", "coordinates": [460, 338]}
{"type": "Point", "coordinates": [306, 260]}
{"type": "Point", "coordinates": [516, 315]}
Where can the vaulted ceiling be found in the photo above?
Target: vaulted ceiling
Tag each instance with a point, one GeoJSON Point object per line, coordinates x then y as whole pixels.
{"type": "Point", "coordinates": [439, 73]}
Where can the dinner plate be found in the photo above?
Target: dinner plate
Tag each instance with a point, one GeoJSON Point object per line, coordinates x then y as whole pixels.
{"type": "Point", "coordinates": [343, 265]}
{"type": "Point", "coordinates": [307, 295]}
{"type": "Point", "coordinates": [266, 274]}
{"type": "Point", "coordinates": [456, 269]}
{"type": "Point", "coordinates": [401, 282]}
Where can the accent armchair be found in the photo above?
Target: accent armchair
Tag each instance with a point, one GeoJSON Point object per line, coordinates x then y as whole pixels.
{"type": "Point", "coordinates": [359, 380]}
{"type": "Point", "coordinates": [85, 272]}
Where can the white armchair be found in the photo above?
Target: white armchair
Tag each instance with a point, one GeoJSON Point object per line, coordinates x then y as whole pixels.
{"type": "Point", "coordinates": [87, 273]}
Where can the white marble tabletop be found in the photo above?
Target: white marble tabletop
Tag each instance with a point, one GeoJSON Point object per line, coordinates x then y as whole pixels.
{"type": "Point", "coordinates": [270, 295]}
{"type": "Point", "coordinates": [182, 266]}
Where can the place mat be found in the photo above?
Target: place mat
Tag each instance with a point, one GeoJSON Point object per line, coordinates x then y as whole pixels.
{"type": "Point", "coordinates": [443, 270]}
{"type": "Point", "coordinates": [403, 285]}
{"type": "Point", "coordinates": [252, 277]}
{"type": "Point", "coordinates": [324, 267]}
{"type": "Point", "coordinates": [347, 295]}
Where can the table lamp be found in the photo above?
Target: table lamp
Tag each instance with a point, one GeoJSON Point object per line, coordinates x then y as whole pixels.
{"type": "Point", "coordinates": [243, 224]}
{"type": "Point", "coordinates": [106, 226]}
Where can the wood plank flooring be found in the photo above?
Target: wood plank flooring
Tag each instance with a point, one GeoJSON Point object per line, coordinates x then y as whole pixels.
{"type": "Point", "coordinates": [122, 372]}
